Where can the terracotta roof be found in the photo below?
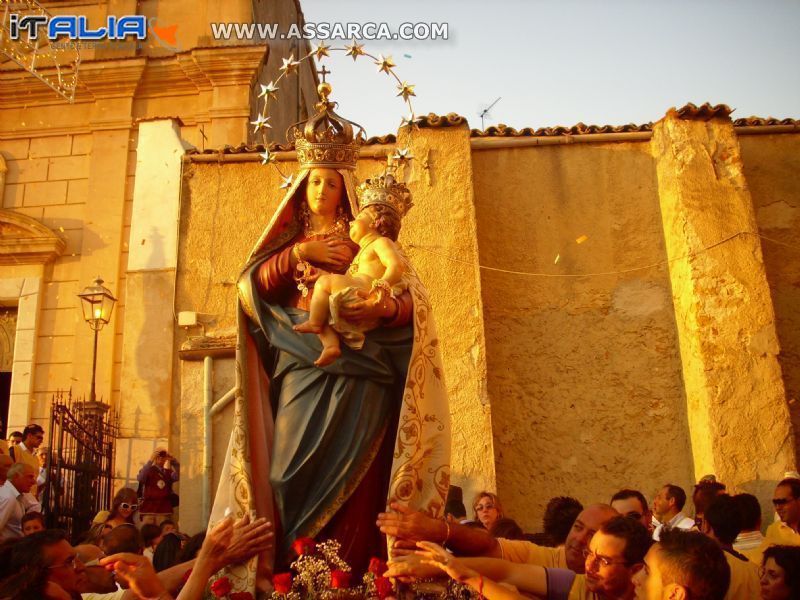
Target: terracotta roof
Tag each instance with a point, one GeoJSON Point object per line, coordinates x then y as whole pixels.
{"type": "Point", "coordinates": [762, 122]}
{"type": "Point", "coordinates": [579, 129]}
{"type": "Point", "coordinates": [448, 120]}
{"type": "Point", "coordinates": [705, 112]}
{"type": "Point", "coordinates": [689, 111]}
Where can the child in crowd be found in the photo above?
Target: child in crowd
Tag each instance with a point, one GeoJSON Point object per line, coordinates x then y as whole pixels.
{"type": "Point", "coordinates": [32, 522]}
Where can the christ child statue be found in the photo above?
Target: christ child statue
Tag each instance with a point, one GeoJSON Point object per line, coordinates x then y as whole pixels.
{"type": "Point", "coordinates": [378, 268]}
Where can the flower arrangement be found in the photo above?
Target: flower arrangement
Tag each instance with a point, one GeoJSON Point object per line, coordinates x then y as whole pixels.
{"type": "Point", "coordinates": [375, 584]}
{"type": "Point", "coordinates": [222, 588]}
{"type": "Point", "coordinates": [317, 573]}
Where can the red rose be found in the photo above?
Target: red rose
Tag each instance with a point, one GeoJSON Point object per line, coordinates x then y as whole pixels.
{"type": "Point", "coordinates": [383, 587]}
{"type": "Point", "coordinates": [282, 582]}
{"type": "Point", "coordinates": [340, 579]}
{"type": "Point", "coordinates": [377, 567]}
{"type": "Point", "coordinates": [304, 545]}
{"type": "Point", "coordinates": [241, 596]}
{"type": "Point", "coordinates": [221, 587]}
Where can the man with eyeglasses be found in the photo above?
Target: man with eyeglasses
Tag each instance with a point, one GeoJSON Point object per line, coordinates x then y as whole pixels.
{"type": "Point", "coordinates": [64, 569]}
{"type": "Point", "coordinates": [786, 501]}
{"type": "Point", "coordinates": [410, 526]}
{"type": "Point", "coordinates": [615, 554]}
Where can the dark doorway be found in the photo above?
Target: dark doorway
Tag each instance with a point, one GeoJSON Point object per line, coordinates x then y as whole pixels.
{"type": "Point", "coordinates": [5, 392]}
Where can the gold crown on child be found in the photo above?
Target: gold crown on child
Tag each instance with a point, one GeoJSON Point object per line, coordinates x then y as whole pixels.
{"type": "Point", "coordinates": [326, 140]}
{"type": "Point", "coordinates": [385, 190]}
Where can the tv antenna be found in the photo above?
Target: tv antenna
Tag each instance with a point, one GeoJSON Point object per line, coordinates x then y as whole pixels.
{"type": "Point", "coordinates": [485, 111]}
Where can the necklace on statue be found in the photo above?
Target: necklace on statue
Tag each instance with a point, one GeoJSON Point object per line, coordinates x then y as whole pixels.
{"type": "Point", "coordinates": [339, 226]}
{"type": "Point", "coordinates": [354, 265]}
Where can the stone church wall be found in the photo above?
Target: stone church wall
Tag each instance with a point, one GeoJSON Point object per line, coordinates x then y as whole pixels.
{"type": "Point", "coordinates": [584, 372]}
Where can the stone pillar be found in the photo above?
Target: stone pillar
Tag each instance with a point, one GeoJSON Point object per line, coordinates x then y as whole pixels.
{"type": "Point", "coordinates": [231, 72]}
{"type": "Point", "coordinates": [443, 223]}
{"type": "Point", "coordinates": [101, 244]}
{"type": "Point", "coordinates": [147, 351]}
{"type": "Point", "coordinates": [738, 416]}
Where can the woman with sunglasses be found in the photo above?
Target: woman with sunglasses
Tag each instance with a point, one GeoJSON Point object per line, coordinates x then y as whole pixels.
{"type": "Point", "coordinates": [123, 508]}
{"type": "Point", "coordinates": [488, 509]}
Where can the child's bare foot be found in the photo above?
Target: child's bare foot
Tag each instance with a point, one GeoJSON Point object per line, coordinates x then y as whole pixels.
{"type": "Point", "coordinates": [328, 355]}
{"type": "Point", "coordinates": [307, 327]}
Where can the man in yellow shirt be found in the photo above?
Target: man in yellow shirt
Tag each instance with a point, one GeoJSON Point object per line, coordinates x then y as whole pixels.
{"type": "Point", "coordinates": [415, 526]}
{"type": "Point", "coordinates": [722, 523]}
{"type": "Point", "coordinates": [682, 566]}
{"type": "Point", "coordinates": [616, 552]}
{"type": "Point", "coordinates": [786, 500]}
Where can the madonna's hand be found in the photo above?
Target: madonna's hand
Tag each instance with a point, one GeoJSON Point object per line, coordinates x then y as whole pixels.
{"type": "Point", "coordinates": [371, 308]}
{"type": "Point", "coordinates": [333, 255]}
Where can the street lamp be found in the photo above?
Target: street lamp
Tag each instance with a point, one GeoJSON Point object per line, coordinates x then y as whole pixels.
{"type": "Point", "coordinates": [98, 302]}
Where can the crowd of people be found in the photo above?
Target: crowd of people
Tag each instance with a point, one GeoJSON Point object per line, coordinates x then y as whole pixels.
{"type": "Point", "coordinates": [132, 550]}
{"type": "Point", "coordinates": [624, 549]}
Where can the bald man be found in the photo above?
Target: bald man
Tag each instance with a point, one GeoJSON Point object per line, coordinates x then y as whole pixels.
{"type": "Point", "coordinates": [99, 580]}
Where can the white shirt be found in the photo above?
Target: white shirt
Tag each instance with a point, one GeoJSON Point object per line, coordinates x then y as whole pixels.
{"type": "Point", "coordinates": [42, 477]}
{"type": "Point", "coordinates": [679, 521]}
{"type": "Point", "coordinates": [12, 509]}
{"type": "Point", "coordinates": [748, 540]}
{"type": "Point", "coordinates": [120, 593]}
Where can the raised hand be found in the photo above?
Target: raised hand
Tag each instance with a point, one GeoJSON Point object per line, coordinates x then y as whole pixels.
{"type": "Point", "coordinates": [405, 523]}
{"type": "Point", "coordinates": [436, 556]}
{"type": "Point", "coordinates": [246, 541]}
{"type": "Point", "coordinates": [410, 567]}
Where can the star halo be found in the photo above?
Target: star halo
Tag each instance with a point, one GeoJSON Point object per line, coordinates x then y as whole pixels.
{"type": "Point", "coordinates": [320, 51]}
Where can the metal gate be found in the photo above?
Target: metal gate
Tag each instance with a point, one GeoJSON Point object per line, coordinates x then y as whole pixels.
{"type": "Point", "coordinates": [80, 465]}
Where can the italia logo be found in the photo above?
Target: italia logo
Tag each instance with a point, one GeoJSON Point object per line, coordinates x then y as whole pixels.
{"type": "Point", "coordinates": [76, 27]}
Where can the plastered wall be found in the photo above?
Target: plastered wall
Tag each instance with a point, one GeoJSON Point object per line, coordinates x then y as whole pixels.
{"type": "Point", "coordinates": [584, 373]}
{"type": "Point", "coordinates": [771, 165]}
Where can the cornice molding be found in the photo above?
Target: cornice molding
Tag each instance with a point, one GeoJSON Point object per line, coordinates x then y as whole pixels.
{"type": "Point", "coordinates": [25, 241]}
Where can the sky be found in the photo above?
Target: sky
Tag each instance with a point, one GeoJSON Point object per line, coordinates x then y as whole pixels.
{"type": "Point", "coordinates": [564, 62]}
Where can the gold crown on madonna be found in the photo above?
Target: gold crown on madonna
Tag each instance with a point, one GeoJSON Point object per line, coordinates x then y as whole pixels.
{"type": "Point", "coordinates": [385, 190]}
{"type": "Point", "coordinates": [326, 140]}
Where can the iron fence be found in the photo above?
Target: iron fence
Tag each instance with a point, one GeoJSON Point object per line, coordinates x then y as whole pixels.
{"type": "Point", "coordinates": [80, 467]}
